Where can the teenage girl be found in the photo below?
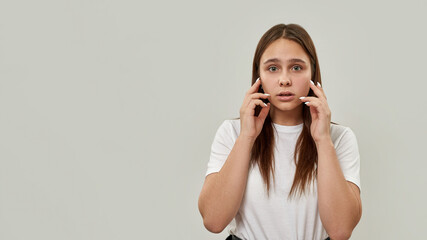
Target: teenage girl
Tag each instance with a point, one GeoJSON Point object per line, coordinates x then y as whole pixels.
{"type": "Point", "coordinates": [283, 170]}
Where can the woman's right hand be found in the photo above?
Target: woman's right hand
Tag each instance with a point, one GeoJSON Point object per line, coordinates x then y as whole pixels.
{"type": "Point", "coordinates": [251, 125]}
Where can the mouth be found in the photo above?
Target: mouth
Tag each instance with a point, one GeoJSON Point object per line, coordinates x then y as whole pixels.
{"type": "Point", "coordinates": [285, 96]}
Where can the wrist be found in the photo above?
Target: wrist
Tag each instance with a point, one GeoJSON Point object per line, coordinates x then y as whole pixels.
{"type": "Point", "coordinates": [324, 142]}
{"type": "Point", "coordinates": [247, 139]}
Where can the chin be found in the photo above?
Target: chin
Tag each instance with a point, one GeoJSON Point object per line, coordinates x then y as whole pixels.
{"type": "Point", "coordinates": [285, 106]}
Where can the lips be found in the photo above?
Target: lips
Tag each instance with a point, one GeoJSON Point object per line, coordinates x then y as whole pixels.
{"type": "Point", "coordinates": [285, 96]}
{"type": "Point", "coordinates": [285, 93]}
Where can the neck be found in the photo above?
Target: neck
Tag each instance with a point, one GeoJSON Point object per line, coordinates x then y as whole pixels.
{"type": "Point", "coordinates": [288, 117]}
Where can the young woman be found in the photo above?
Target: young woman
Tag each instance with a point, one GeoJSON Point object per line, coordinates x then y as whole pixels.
{"type": "Point", "coordinates": [283, 170]}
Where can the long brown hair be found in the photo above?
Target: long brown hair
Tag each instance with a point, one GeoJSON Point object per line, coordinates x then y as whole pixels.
{"type": "Point", "coordinates": [305, 155]}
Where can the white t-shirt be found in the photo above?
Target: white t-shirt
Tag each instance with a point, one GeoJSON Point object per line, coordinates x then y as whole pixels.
{"type": "Point", "coordinates": [274, 218]}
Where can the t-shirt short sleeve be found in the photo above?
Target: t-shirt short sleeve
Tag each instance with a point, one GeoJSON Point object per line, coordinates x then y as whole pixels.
{"type": "Point", "coordinates": [348, 156]}
{"type": "Point", "coordinates": [221, 147]}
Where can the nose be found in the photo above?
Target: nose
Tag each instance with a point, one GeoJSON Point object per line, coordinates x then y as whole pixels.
{"type": "Point", "coordinates": [285, 81]}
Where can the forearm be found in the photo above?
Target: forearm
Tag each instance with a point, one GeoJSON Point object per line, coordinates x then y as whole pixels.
{"type": "Point", "coordinates": [338, 206]}
{"type": "Point", "coordinates": [221, 199]}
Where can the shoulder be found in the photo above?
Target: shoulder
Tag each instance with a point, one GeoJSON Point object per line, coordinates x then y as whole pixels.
{"type": "Point", "coordinates": [234, 123]}
{"type": "Point", "coordinates": [342, 134]}
{"type": "Point", "coordinates": [229, 128]}
{"type": "Point", "coordinates": [230, 125]}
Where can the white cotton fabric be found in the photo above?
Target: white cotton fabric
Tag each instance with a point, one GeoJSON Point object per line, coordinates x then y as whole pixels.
{"type": "Point", "coordinates": [260, 217]}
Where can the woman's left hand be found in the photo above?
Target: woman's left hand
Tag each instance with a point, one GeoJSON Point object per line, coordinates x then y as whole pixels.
{"type": "Point", "coordinates": [320, 114]}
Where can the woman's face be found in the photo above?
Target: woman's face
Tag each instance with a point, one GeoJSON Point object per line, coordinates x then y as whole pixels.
{"type": "Point", "coordinates": [284, 61]}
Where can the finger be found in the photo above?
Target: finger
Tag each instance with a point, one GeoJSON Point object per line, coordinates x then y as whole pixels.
{"type": "Point", "coordinates": [318, 106]}
{"type": "Point", "coordinates": [313, 113]}
{"type": "Point", "coordinates": [254, 88]}
{"type": "Point", "coordinates": [259, 102]}
{"type": "Point", "coordinates": [264, 112]}
{"type": "Point", "coordinates": [315, 100]}
{"type": "Point", "coordinates": [319, 86]}
{"type": "Point", "coordinates": [256, 102]}
{"type": "Point", "coordinates": [317, 90]}
{"type": "Point", "coordinates": [252, 102]}
{"type": "Point", "coordinates": [308, 99]}
{"type": "Point", "coordinates": [249, 96]}
{"type": "Point", "coordinates": [258, 96]}
{"type": "Point", "coordinates": [312, 101]}
{"type": "Point", "coordinates": [250, 109]}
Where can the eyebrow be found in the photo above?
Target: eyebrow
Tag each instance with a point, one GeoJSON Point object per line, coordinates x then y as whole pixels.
{"type": "Point", "coordinates": [292, 60]}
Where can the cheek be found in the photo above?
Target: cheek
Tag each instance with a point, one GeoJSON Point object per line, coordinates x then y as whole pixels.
{"type": "Point", "coordinates": [304, 87]}
{"type": "Point", "coordinates": [307, 90]}
{"type": "Point", "coordinates": [304, 84]}
{"type": "Point", "coordinates": [267, 86]}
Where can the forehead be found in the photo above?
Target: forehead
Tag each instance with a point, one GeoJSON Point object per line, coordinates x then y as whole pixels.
{"type": "Point", "coordinates": [284, 49]}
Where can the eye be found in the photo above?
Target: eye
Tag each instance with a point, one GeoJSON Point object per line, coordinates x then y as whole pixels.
{"type": "Point", "coordinates": [272, 68]}
{"type": "Point", "coordinates": [297, 68]}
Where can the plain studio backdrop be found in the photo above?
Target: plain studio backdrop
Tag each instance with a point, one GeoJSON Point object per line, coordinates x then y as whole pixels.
{"type": "Point", "coordinates": [108, 109]}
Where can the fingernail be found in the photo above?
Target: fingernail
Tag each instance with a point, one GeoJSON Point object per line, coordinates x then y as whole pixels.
{"type": "Point", "coordinates": [266, 94]}
{"type": "Point", "coordinates": [312, 82]}
{"type": "Point", "coordinates": [301, 97]}
{"type": "Point", "coordinates": [265, 104]}
{"type": "Point", "coordinates": [318, 84]}
{"type": "Point", "coordinates": [307, 103]}
{"type": "Point", "coordinates": [257, 80]}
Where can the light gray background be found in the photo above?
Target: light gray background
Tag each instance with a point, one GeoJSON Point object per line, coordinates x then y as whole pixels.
{"type": "Point", "coordinates": [108, 109]}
